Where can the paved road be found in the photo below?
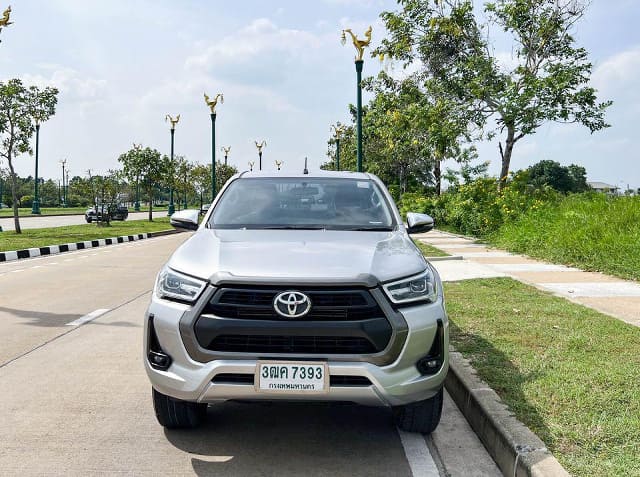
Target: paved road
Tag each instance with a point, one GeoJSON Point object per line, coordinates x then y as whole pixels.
{"type": "Point", "coordinates": [76, 400]}
{"type": "Point", "coordinates": [30, 222]}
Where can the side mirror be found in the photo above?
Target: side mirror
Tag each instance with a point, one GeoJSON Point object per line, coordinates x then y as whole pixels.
{"type": "Point", "coordinates": [185, 219]}
{"type": "Point", "coordinates": [418, 223]}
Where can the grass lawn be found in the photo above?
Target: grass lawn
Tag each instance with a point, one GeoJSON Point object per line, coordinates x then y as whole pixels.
{"type": "Point", "coordinates": [571, 374]}
{"type": "Point", "coordinates": [428, 250]}
{"type": "Point", "coordinates": [30, 238]}
{"type": "Point", "coordinates": [26, 212]}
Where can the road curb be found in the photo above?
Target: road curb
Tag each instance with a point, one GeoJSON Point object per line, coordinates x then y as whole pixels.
{"type": "Point", "coordinates": [71, 247]}
{"type": "Point", "coordinates": [514, 447]}
{"type": "Point", "coordinates": [442, 259]}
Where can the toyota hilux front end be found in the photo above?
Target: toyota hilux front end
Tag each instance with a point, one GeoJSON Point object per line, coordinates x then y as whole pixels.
{"type": "Point", "coordinates": [298, 287]}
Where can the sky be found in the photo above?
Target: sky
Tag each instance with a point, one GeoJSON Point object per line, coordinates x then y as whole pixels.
{"type": "Point", "coordinates": [122, 65]}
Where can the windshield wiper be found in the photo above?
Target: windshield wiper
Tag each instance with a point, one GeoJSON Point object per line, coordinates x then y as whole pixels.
{"type": "Point", "coordinates": [369, 229]}
{"type": "Point", "coordinates": [292, 227]}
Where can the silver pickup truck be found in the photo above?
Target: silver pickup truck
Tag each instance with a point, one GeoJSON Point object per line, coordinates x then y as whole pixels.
{"type": "Point", "coordinates": [298, 287]}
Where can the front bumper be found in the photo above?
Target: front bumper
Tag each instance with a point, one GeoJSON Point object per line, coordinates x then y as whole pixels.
{"type": "Point", "coordinates": [392, 382]}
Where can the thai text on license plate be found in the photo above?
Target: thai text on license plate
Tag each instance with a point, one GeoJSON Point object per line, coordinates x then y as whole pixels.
{"type": "Point", "coordinates": [292, 377]}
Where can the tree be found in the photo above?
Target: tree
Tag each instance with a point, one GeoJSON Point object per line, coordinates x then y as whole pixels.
{"type": "Point", "coordinates": [578, 176]}
{"type": "Point", "coordinates": [561, 178]}
{"type": "Point", "coordinates": [146, 165]}
{"type": "Point", "coordinates": [107, 190]}
{"type": "Point", "coordinates": [410, 129]}
{"type": "Point", "coordinates": [200, 177]}
{"type": "Point", "coordinates": [181, 177]}
{"type": "Point", "coordinates": [19, 106]}
{"type": "Point", "coordinates": [549, 79]}
{"type": "Point", "coordinates": [223, 174]}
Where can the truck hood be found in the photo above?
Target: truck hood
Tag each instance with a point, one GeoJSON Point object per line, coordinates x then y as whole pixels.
{"type": "Point", "coordinates": [298, 256]}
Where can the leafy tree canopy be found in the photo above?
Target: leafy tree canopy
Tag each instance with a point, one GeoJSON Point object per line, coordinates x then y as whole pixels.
{"type": "Point", "coordinates": [20, 108]}
{"type": "Point", "coordinates": [549, 77]}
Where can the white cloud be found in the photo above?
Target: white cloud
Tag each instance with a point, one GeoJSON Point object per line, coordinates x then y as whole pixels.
{"type": "Point", "coordinates": [507, 60]}
{"type": "Point", "coordinates": [72, 84]}
{"type": "Point", "coordinates": [260, 37]}
{"type": "Point", "coordinates": [620, 70]}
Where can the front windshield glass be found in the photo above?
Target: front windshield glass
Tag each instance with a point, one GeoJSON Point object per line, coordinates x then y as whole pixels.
{"type": "Point", "coordinates": [301, 203]}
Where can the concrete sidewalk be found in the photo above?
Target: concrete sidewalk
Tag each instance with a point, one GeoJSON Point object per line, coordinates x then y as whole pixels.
{"type": "Point", "coordinates": [610, 295]}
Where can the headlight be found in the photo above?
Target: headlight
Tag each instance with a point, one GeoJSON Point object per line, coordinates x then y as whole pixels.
{"type": "Point", "coordinates": [174, 285]}
{"type": "Point", "coordinates": [420, 287]}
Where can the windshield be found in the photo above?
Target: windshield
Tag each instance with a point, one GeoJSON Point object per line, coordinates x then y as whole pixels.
{"type": "Point", "coordinates": [301, 203]}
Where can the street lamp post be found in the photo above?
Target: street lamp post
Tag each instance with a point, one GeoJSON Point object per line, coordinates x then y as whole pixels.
{"type": "Point", "coordinates": [278, 164]}
{"type": "Point", "coordinates": [226, 151]}
{"type": "Point", "coordinates": [66, 194]}
{"type": "Point", "coordinates": [64, 201]}
{"type": "Point", "coordinates": [212, 106]}
{"type": "Point", "coordinates": [35, 207]}
{"type": "Point", "coordinates": [136, 204]}
{"type": "Point", "coordinates": [260, 145]}
{"type": "Point", "coordinates": [360, 46]}
{"type": "Point", "coordinates": [338, 130]}
{"type": "Point", "coordinates": [173, 121]}
{"type": "Point", "coordinates": [251, 164]}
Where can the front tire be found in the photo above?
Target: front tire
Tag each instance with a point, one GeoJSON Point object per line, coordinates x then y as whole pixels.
{"type": "Point", "coordinates": [177, 414]}
{"type": "Point", "coordinates": [421, 416]}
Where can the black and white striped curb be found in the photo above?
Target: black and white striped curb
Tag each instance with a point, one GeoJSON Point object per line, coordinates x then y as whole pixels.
{"type": "Point", "coordinates": [71, 247]}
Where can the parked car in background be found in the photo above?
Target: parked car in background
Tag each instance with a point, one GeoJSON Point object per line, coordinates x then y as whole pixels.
{"type": "Point", "coordinates": [119, 212]}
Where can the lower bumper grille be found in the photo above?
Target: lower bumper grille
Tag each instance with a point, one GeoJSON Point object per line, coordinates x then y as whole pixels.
{"type": "Point", "coordinates": [248, 379]}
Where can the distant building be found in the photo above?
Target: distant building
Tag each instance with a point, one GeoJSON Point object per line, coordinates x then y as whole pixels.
{"type": "Point", "coordinates": [603, 187]}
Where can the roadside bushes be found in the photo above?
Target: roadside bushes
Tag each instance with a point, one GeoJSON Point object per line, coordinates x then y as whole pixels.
{"type": "Point", "coordinates": [588, 230]}
{"type": "Point", "coordinates": [478, 207]}
{"type": "Point", "coordinates": [591, 231]}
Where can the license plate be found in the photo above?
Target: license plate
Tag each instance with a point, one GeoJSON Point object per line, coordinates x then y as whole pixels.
{"type": "Point", "coordinates": [292, 377]}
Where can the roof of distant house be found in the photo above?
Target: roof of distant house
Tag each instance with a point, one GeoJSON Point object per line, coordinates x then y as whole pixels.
{"type": "Point", "coordinates": [601, 185]}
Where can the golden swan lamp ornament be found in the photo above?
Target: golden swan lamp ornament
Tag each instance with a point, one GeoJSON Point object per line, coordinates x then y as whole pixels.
{"type": "Point", "coordinates": [173, 121]}
{"type": "Point", "coordinates": [359, 44]}
{"type": "Point", "coordinates": [260, 145]}
{"type": "Point", "coordinates": [338, 130]}
{"type": "Point", "coordinates": [213, 102]}
{"type": "Point", "coordinates": [4, 21]}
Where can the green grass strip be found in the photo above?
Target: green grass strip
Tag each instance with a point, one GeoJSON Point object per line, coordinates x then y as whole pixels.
{"type": "Point", "coordinates": [26, 212]}
{"type": "Point", "coordinates": [428, 250]}
{"type": "Point", "coordinates": [30, 238]}
{"type": "Point", "coordinates": [571, 374]}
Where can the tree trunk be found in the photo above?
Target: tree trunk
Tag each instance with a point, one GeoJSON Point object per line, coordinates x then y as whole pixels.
{"type": "Point", "coordinates": [14, 194]}
{"type": "Point", "coordinates": [150, 195]}
{"type": "Point", "coordinates": [506, 155]}
{"type": "Point", "coordinates": [437, 174]}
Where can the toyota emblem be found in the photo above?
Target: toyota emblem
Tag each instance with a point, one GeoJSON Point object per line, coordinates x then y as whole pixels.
{"type": "Point", "coordinates": [291, 304]}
